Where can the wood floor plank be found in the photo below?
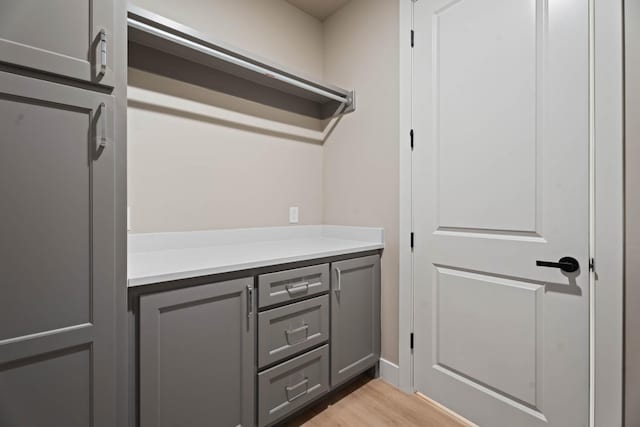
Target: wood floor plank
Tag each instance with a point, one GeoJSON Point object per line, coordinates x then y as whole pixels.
{"type": "Point", "coordinates": [373, 403]}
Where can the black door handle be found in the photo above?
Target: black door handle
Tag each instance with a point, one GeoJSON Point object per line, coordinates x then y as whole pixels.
{"type": "Point", "coordinates": [566, 264]}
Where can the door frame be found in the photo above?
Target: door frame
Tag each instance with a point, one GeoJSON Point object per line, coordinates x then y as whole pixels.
{"type": "Point", "coordinates": [632, 212]}
{"type": "Point", "coordinates": [606, 208]}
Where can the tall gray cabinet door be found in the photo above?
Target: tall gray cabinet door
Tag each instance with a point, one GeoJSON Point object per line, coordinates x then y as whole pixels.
{"type": "Point", "coordinates": [56, 255]}
{"type": "Point", "coordinates": [197, 356]}
{"type": "Point", "coordinates": [63, 37]}
{"type": "Point", "coordinates": [355, 317]}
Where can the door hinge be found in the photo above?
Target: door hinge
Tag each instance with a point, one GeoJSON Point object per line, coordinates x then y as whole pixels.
{"type": "Point", "coordinates": [411, 340]}
{"type": "Point", "coordinates": [592, 264]}
{"type": "Point", "coordinates": [412, 240]}
{"type": "Point", "coordinates": [411, 136]}
{"type": "Point", "coordinates": [412, 38]}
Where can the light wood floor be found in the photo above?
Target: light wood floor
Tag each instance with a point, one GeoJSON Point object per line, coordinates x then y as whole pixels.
{"type": "Point", "coordinates": [374, 403]}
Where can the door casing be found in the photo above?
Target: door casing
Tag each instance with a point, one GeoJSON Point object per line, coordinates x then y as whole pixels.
{"type": "Point", "coordinates": [606, 189]}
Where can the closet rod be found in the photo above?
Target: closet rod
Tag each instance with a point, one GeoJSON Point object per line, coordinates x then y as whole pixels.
{"type": "Point", "coordinates": [236, 61]}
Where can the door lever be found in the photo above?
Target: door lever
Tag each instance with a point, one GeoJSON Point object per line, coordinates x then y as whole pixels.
{"type": "Point", "coordinates": [566, 264]}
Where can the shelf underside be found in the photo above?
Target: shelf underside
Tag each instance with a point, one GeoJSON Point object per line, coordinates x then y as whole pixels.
{"type": "Point", "coordinates": [154, 40]}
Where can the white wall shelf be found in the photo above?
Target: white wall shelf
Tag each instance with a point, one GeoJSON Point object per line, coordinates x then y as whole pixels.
{"type": "Point", "coordinates": [259, 77]}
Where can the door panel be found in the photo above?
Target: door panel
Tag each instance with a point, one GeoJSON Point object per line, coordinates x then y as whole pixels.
{"type": "Point", "coordinates": [355, 317]}
{"type": "Point", "coordinates": [472, 338]}
{"type": "Point", "coordinates": [65, 398]}
{"type": "Point", "coordinates": [57, 255]}
{"type": "Point", "coordinates": [207, 374]}
{"type": "Point", "coordinates": [499, 128]}
{"type": "Point", "coordinates": [500, 180]}
{"type": "Point", "coordinates": [60, 37]}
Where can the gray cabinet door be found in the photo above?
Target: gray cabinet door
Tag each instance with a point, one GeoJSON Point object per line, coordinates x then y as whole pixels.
{"type": "Point", "coordinates": [56, 256]}
{"type": "Point", "coordinates": [355, 317]}
{"type": "Point", "coordinates": [62, 37]}
{"type": "Point", "coordinates": [197, 356]}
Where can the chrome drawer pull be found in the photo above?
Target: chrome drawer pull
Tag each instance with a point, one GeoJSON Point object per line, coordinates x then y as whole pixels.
{"type": "Point", "coordinates": [102, 42]}
{"type": "Point", "coordinates": [298, 287]}
{"type": "Point", "coordinates": [289, 389]}
{"type": "Point", "coordinates": [101, 131]}
{"type": "Point", "coordinates": [338, 288]}
{"type": "Point", "coordinates": [249, 301]}
{"type": "Point", "coordinates": [289, 332]}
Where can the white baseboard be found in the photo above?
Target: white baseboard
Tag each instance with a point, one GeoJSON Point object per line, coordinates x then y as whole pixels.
{"type": "Point", "coordinates": [390, 372]}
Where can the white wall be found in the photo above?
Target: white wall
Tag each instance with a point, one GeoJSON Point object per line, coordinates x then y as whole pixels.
{"type": "Point", "coordinates": [189, 168]}
{"type": "Point", "coordinates": [361, 157]}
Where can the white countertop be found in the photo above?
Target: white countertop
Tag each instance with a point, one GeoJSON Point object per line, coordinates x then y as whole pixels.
{"type": "Point", "coordinates": [160, 257]}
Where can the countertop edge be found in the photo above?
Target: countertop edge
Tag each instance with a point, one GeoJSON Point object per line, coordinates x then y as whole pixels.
{"type": "Point", "coordinates": [160, 278]}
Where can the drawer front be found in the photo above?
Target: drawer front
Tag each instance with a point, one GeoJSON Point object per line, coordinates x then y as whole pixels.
{"type": "Point", "coordinates": [291, 285]}
{"type": "Point", "coordinates": [289, 386]}
{"type": "Point", "coordinates": [285, 331]}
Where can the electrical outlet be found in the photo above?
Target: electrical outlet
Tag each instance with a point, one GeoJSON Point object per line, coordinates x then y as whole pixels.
{"type": "Point", "coordinates": [293, 215]}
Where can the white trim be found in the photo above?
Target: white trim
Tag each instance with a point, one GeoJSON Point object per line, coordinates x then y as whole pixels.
{"type": "Point", "coordinates": [446, 410]}
{"type": "Point", "coordinates": [609, 213]}
{"type": "Point", "coordinates": [405, 279]}
{"type": "Point", "coordinates": [592, 209]}
{"type": "Point", "coordinates": [389, 372]}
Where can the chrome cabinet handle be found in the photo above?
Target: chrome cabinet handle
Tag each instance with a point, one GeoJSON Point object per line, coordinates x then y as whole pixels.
{"type": "Point", "coordinates": [101, 132]}
{"type": "Point", "coordinates": [249, 301]}
{"type": "Point", "coordinates": [102, 54]}
{"type": "Point", "coordinates": [338, 288]}
{"type": "Point", "coordinates": [289, 389]}
{"type": "Point", "coordinates": [298, 287]}
{"type": "Point", "coordinates": [289, 332]}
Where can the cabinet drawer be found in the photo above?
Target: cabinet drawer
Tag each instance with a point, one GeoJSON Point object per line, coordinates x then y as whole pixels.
{"type": "Point", "coordinates": [290, 285]}
{"type": "Point", "coordinates": [291, 329]}
{"type": "Point", "coordinates": [289, 386]}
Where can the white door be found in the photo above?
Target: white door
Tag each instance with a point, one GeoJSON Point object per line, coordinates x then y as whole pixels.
{"type": "Point", "coordinates": [500, 181]}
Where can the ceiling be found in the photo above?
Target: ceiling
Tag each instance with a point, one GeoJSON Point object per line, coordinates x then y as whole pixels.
{"type": "Point", "coordinates": [320, 9]}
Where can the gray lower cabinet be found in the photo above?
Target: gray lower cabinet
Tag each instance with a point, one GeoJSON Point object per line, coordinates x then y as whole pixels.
{"type": "Point", "coordinates": [57, 247]}
{"type": "Point", "coordinates": [197, 356]}
{"type": "Point", "coordinates": [355, 317]}
{"type": "Point", "coordinates": [63, 37]}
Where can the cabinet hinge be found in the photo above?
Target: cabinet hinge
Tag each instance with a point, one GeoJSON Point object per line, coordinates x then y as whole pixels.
{"type": "Point", "coordinates": [412, 37]}
{"type": "Point", "coordinates": [411, 136]}
{"type": "Point", "coordinates": [411, 340]}
{"type": "Point", "coordinates": [592, 264]}
{"type": "Point", "coordinates": [411, 240]}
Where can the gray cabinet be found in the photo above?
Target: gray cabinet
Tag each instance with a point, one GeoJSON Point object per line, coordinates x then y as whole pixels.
{"type": "Point", "coordinates": [197, 356]}
{"type": "Point", "coordinates": [212, 354]}
{"type": "Point", "coordinates": [70, 38]}
{"type": "Point", "coordinates": [355, 317]}
{"type": "Point", "coordinates": [57, 341]}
